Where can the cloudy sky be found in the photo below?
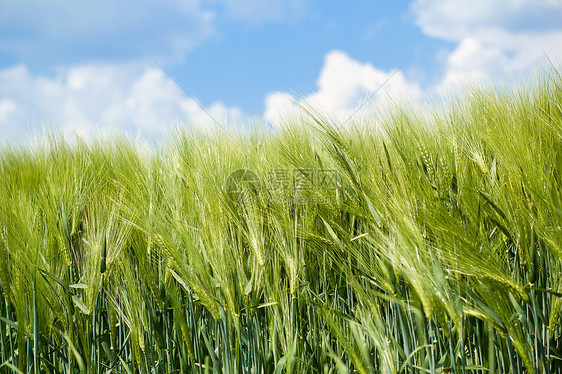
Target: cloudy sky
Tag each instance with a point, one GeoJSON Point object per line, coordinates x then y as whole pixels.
{"type": "Point", "coordinates": [87, 67]}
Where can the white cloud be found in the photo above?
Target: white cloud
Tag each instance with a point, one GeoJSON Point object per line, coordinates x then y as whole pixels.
{"type": "Point", "coordinates": [343, 85]}
{"type": "Point", "coordinates": [498, 55]}
{"type": "Point", "coordinates": [92, 99]}
{"type": "Point", "coordinates": [455, 19]}
{"type": "Point", "coordinates": [61, 32]}
{"type": "Point", "coordinates": [495, 40]}
{"type": "Point", "coordinates": [7, 108]}
{"type": "Point", "coordinates": [343, 82]}
{"type": "Point", "coordinates": [280, 109]}
{"type": "Point", "coordinates": [68, 32]}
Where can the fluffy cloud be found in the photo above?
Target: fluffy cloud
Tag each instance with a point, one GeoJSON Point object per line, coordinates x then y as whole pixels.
{"type": "Point", "coordinates": [280, 108]}
{"type": "Point", "coordinates": [68, 32]}
{"type": "Point", "coordinates": [498, 54]}
{"type": "Point", "coordinates": [343, 85]}
{"type": "Point", "coordinates": [7, 108]}
{"type": "Point", "coordinates": [89, 100]}
{"type": "Point", "coordinates": [343, 82]}
{"type": "Point", "coordinates": [64, 32]}
{"type": "Point", "coordinates": [455, 19]}
{"type": "Point", "coordinates": [494, 39]}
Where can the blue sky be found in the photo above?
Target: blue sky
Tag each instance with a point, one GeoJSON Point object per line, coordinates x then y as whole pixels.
{"type": "Point", "coordinates": [84, 67]}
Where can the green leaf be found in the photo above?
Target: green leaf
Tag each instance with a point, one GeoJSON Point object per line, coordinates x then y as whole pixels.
{"type": "Point", "coordinates": [80, 304]}
{"type": "Point", "coordinates": [55, 278]}
{"type": "Point", "coordinates": [10, 366]}
{"type": "Point", "coordinates": [81, 286]}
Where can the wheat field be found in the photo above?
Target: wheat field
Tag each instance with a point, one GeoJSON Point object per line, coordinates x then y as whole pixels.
{"type": "Point", "coordinates": [419, 244]}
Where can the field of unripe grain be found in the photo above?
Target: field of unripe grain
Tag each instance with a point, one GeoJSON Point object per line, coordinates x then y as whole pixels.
{"type": "Point", "coordinates": [419, 244]}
